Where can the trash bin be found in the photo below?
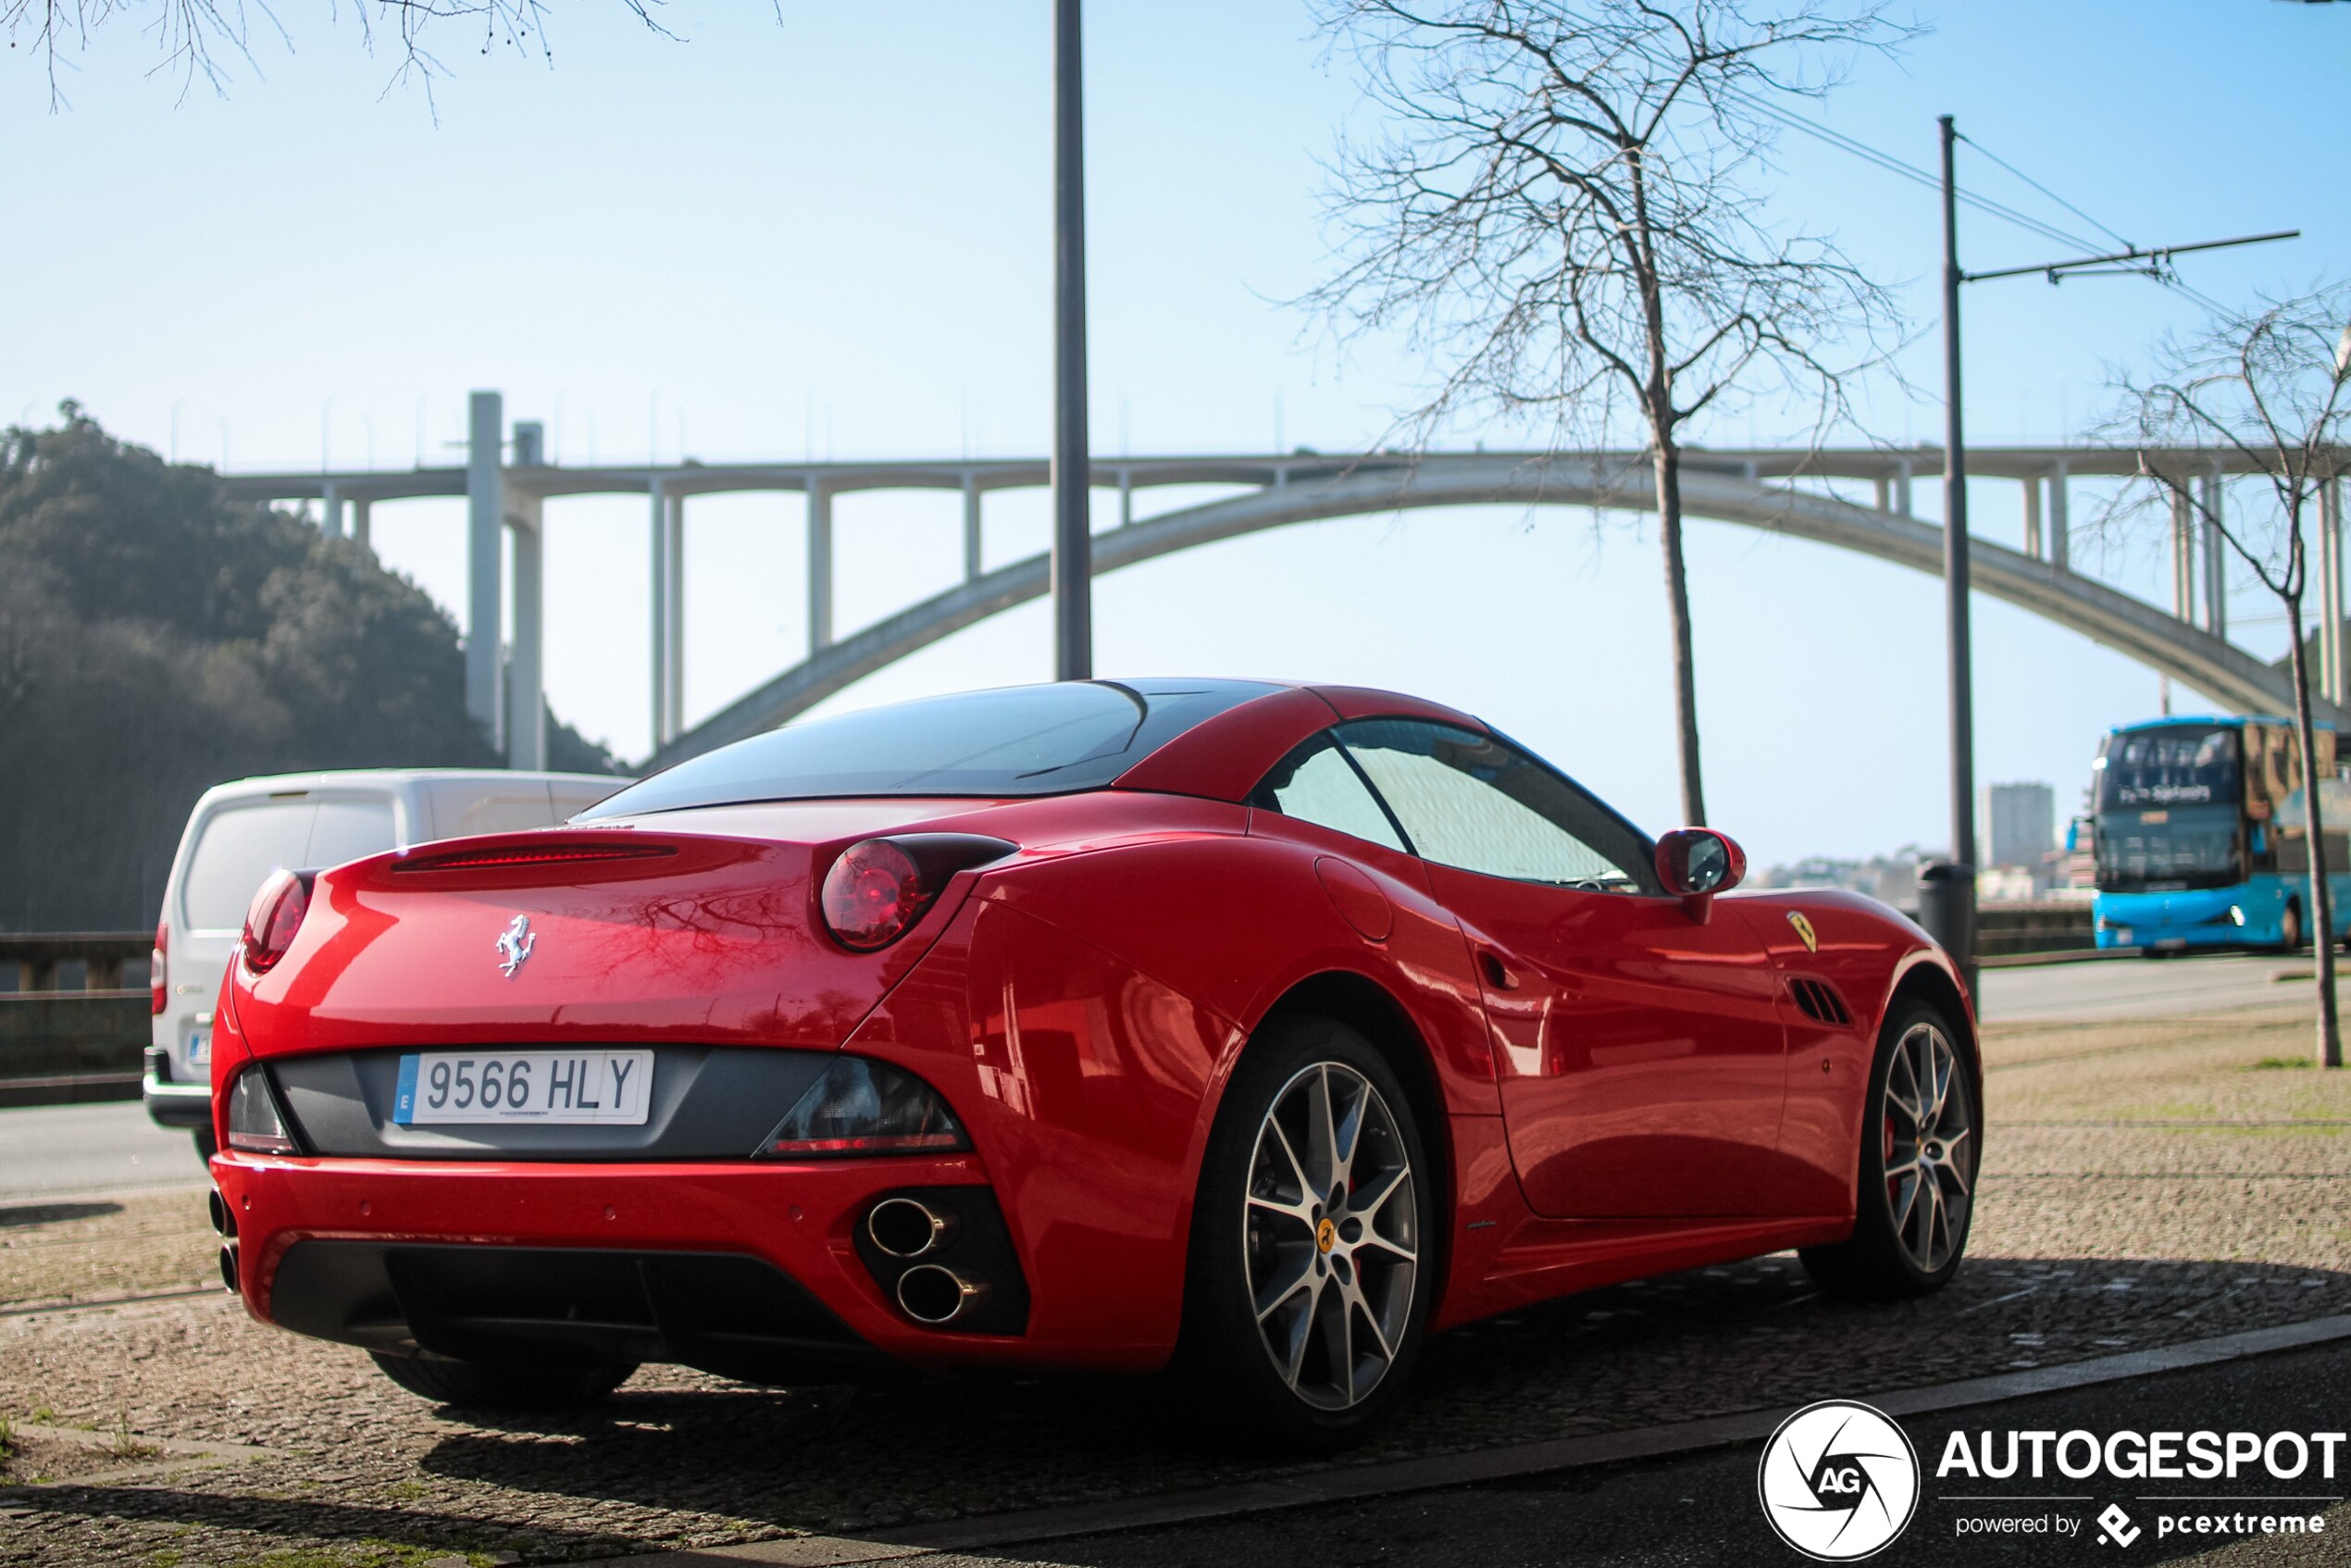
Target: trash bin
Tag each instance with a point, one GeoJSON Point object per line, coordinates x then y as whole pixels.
{"type": "Point", "coordinates": [1947, 908]}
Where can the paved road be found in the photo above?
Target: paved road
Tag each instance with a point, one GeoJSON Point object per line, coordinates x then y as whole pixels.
{"type": "Point", "coordinates": [2138, 987]}
{"type": "Point", "coordinates": [1703, 1508]}
{"type": "Point", "coordinates": [53, 1149]}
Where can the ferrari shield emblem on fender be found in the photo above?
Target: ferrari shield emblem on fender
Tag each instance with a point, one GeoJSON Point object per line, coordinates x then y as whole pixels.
{"type": "Point", "coordinates": [1804, 930]}
{"type": "Point", "coordinates": [515, 944]}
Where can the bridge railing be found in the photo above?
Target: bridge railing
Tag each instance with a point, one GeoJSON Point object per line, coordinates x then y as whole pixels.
{"type": "Point", "coordinates": [73, 1016]}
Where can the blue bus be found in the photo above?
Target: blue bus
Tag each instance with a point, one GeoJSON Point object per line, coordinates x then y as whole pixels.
{"type": "Point", "coordinates": [2198, 839]}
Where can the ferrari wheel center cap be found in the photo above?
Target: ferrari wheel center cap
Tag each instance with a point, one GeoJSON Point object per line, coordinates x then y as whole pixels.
{"type": "Point", "coordinates": [1326, 1235]}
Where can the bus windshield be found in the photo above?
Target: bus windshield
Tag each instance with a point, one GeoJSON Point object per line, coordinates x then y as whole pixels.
{"type": "Point", "coordinates": [2176, 766]}
{"type": "Point", "coordinates": [2171, 847]}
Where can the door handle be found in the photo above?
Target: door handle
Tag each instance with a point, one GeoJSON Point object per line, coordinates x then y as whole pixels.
{"type": "Point", "coordinates": [1497, 974]}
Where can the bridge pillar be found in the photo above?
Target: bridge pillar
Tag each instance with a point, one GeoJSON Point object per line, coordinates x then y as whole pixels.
{"type": "Point", "coordinates": [331, 511]}
{"type": "Point", "coordinates": [1902, 491]}
{"type": "Point", "coordinates": [2216, 560]}
{"type": "Point", "coordinates": [485, 598]}
{"type": "Point", "coordinates": [2060, 527]}
{"type": "Point", "coordinates": [657, 664]}
{"type": "Point", "coordinates": [526, 685]}
{"type": "Point", "coordinates": [673, 618]}
{"type": "Point", "coordinates": [1127, 498]}
{"type": "Point", "coordinates": [973, 538]}
{"type": "Point", "coordinates": [2330, 650]}
{"type": "Point", "coordinates": [2182, 559]}
{"type": "Point", "coordinates": [820, 563]}
{"type": "Point", "coordinates": [2032, 516]}
{"type": "Point", "coordinates": [360, 523]}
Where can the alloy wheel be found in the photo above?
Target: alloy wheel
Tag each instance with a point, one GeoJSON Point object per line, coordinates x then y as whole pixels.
{"type": "Point", "coordinates": [1929, 1147]}
{"type": "Point", "coordinates": [1330, 1235]}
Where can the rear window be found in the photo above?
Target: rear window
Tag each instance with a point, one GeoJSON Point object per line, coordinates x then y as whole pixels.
{"type": "Point", "coordinates": [1016, 740]}
{"type": "Point", "coordinates": [241, 845]}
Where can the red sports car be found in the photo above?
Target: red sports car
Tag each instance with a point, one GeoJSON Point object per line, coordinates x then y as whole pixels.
{"type": "Point", "coordinates": [1081, 1025]}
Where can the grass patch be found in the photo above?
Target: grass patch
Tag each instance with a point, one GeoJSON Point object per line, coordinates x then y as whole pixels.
{"type": "Point", "coordinates": [125, 1444]}
{"type": "Point", "coordinates": [370, 1554]}
{"type": "Point", "coordinates": [2280, 1064]}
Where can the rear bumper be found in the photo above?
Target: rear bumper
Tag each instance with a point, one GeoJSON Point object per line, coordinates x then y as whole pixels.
{"type": "Point", "coordinates": [752, 1270]}
{"type": "Point", "coordinates": [173, 1104]}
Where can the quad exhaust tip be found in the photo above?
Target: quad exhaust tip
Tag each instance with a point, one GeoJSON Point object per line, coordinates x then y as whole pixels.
{"type": "Point", "coordinates": [224, 1223]}
{"type": "Point", "coordinates": [937, 1294]}
{"type": "Point", "coordinates": [908, 1228]}
{"type": "Point", "coordinates": [228, 1267]}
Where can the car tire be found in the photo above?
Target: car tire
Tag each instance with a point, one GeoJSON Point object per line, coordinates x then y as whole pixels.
{"type": "Point", "coordinates": [1349, 1271]}
{"type": "Point", "coordinates": [1910, 1227]}
{"type": "Point", "coordinates": [504, 1385]}
{"type": "Point", "coordinates": [2290, 927]}
{"type": "Point", "coordinates": [207, 1146]}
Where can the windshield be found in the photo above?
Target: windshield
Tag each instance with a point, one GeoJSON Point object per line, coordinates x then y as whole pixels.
{"type": "Point", "coordinates": [2176, 766]}
{"type": "Point", "coordinates": [1016, 740]}
{"type": "Point", "coordinates": [2167, 849]}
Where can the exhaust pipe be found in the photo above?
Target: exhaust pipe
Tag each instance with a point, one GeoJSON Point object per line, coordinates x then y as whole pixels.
{"type": "Point", "coordinates": [224, 1222]}
{"type": "Point", "coordinates": [908, 1228]}
{"type": "Point", "coordinates": [229, 1268]}
{"type": "Point", "coordinates": [937, 1294]}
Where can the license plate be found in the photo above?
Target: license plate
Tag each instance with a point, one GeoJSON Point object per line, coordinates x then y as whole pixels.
{"type": "Point", "coordinates": [200, 1048]}
{"type": "Point", "coordinates": [558, 1088]}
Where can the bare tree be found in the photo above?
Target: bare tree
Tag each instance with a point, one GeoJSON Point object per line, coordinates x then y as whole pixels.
{"type": "Point", "coordinates": [196, 39]}
{"type": "Point", "coordinates": [2268, 390]}
{"type": "Point", "coordinates": [1560, 215]}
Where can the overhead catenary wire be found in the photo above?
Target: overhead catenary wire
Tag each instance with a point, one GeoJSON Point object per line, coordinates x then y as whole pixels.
{"type": "Point", "coordinates": [2161, 272]}
{"type": "Point", "coordinates": [1912, 173]}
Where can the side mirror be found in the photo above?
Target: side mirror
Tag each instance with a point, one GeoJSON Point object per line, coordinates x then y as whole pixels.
{"type": "Point", "coordinates": [1697, 863]}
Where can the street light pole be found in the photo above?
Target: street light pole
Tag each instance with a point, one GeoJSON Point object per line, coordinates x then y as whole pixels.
{"type": "Point", "coordinates": [1947, 892]}
{"type": "Point", "coordinates": [1073, 519]}
{"type": "Point", "coordinates": [1958, 901]}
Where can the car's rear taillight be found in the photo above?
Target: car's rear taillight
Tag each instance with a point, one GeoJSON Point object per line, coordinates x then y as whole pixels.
{"type": "Point", "coordinates": [877, 889]}
{"type": "Point", "coordinates": [866, 1107]}
{"type": "Point", "coordinates": [254, 1124]}
{"type": "Point", "coordinates": [158, 969]}
{"type": "Point", "coordinates": [274, 917]}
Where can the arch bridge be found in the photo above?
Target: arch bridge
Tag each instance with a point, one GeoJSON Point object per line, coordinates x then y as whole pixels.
{"type": "Point", "coordinates": [1761, 489]}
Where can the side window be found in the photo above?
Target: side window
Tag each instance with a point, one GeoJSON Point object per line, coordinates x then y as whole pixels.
{"type": "Point", "coordinates": [1315, 783]}
{"type": "Point", "coordinates": [1480, 805]}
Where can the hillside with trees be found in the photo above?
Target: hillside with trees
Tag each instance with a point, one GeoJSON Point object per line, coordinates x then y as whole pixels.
{"type": "Point", "coordinates": [158, 638]}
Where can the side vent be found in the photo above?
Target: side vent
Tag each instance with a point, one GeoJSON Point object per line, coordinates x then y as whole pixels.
{"type": "Point", "coordinates": [1821, 1004]}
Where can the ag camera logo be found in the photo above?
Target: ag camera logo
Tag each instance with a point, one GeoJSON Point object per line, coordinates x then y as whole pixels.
{"type": "Point", "coordinates": [1838, 1481]}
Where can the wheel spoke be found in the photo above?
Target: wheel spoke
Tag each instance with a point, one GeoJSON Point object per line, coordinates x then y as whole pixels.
{"type": "Point", "coordinates": [1906, 1201]}
{"type": "Point", "coordinates": [1301, 1334]}
{"type": "Point", "coordinates": [1366, 1201]}
{"type": "Point", "coordinates": [1302, 1212]}
{"type": "Point", "coordinates": [1953, 1160]}
{"type": "Point", "coordinates": [1270, 1302]}
{"type": "Point", "coordinates": [1375, 1242]}
{"type": "Point", "coordinates": [1322, 1135]}
{"type": "Point", "coordinates": [1307, 1196]}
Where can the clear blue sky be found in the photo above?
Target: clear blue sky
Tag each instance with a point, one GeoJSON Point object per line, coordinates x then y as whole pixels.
{"type": "Point", "coordinates": [831, 232]}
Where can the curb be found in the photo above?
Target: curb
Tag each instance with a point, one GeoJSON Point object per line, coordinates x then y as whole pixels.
{"type": "Point", "coordinates": [1462, 1469]}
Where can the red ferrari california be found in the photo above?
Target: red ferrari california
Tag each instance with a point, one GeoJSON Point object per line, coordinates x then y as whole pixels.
{"type": "Point", "coordinates": [1264, 1026]}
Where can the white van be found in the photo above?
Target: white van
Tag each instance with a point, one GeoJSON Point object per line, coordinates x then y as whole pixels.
{"type": "Point", "coordinates": [240, 832]}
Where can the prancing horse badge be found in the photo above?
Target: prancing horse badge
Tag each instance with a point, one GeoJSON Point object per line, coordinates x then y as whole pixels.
{"type": "Point", "coordinates": [1804, 930]}
{"type": "Point", "coordinates": [515, 944]}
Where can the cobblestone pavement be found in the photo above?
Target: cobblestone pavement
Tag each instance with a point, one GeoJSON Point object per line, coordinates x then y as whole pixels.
{"type": "Point", "coordinates": [2145, 1184]}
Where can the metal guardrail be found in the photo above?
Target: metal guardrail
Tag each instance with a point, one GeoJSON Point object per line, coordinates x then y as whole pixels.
{"type": "Point", "coordinates": [62, 1044]}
